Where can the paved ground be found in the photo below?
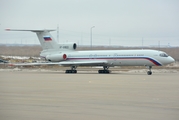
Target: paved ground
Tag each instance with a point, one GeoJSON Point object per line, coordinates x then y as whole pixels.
{"type": "Point", "coordinates": [45, 95]}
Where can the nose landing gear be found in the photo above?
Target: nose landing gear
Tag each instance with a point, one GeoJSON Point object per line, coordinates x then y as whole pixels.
{"type": "Point", "coordinates": [149, 72]}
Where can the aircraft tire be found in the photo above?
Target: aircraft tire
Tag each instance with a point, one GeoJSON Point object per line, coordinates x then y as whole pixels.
{"type": "Point", "coordinates": [71, 71]}
{"type": "Point", "coordinates": [149, 72]}
{"type": "Point", "coordinates": [103, 71]}
{"type": "Point", "coordinates": [74, 71]}
{"type": "Point", "coordinates": [66, 71]}
{"type": "Point", "coordinates": [100, 71]}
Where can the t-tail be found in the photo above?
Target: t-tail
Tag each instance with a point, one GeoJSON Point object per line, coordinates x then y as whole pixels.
{"type": "Point", "coordinates": [45, 38]}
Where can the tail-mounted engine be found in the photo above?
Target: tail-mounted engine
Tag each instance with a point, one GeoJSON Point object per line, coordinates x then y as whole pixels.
{"type": "Point", "coordinates": [68, 46]}
{"type": "Point", "coordinates": [56, 57]}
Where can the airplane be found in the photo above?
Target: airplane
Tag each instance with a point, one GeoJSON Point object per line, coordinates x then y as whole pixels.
{"type": "Point", "coordinates": [65, 54]}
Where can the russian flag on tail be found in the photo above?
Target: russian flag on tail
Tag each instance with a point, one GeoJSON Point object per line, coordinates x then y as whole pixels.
{"type": "Point", "coordinates": [47, 38]}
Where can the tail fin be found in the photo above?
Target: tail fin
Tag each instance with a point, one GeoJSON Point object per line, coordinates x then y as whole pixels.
{"type": "Point", "coordinates": [45, 38]}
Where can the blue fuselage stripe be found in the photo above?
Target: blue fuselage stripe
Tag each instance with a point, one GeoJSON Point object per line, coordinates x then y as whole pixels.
{"type": "Point", "coordinates": [115, 58]}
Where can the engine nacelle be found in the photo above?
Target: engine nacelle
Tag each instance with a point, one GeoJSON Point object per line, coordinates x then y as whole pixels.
{"type": "Point", "coordinates": [56, 57]}
{"type": "Point", "coordinates": [68, 46]}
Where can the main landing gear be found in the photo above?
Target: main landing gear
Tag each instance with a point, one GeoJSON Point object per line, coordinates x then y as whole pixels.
{"type": "Point", "coordinates": [104, 71]}
{"type": "Point", "coordinates": [73, 70]}
{"type": "Point", "coordinates": [149, 72]}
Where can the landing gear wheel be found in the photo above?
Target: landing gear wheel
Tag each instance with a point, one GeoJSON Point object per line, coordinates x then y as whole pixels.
{"type": "Point", "coordinates": [104, 71]}
{"type": "Point", "coordinates": [149, 72]}
{"type": "Point", "coordinates": [73, 70]}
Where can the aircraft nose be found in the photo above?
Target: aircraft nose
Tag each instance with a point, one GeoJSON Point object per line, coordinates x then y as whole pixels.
{"type": "Point", "coordinates": [171, 60]}
{"type": "Point", "coordinates": [168, 60]}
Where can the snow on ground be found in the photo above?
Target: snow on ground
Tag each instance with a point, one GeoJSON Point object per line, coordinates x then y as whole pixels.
{"type": "Point", "coordinates": [19, 57]}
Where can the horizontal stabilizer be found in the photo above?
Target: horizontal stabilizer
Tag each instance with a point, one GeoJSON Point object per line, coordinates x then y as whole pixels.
{"type": "Point", "coordinates": [45, 38]}
{"type": "Point", "coordinates": [47, 30]}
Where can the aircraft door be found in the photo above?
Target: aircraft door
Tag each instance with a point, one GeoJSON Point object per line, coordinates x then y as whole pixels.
{"type": "Point", "coordinates": [116, 61]}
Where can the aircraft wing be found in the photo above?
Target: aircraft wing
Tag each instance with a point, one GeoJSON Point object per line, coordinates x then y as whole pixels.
{"type": "Point", "coordinates": [84, 63]}
{"type": "Point", "coordinates": [65, 63]}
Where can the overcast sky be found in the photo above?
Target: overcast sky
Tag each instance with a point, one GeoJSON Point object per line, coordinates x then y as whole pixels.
{"type": "Point", "coordinates": [117, 22]}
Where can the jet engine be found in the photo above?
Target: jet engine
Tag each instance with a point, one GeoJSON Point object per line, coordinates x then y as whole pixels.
{"type": "Point", "coordinates": [68, 46]}
{"type": "Point", "coordinates": [56, 57]}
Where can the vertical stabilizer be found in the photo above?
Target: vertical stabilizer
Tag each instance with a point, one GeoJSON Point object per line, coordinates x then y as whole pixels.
{"type": "Point", "coordinates": [45, 38]}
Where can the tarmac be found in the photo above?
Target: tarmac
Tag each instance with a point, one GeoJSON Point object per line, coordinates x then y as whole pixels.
{"type": "Point", "coordinates": [50, 95]}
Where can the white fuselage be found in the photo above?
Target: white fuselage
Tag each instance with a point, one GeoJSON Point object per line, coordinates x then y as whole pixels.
{"type": "Point", "coordinates": [117, 57]}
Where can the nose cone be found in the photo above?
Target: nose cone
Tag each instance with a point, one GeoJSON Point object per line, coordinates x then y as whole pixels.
{"type": "Point", "coordinates": [167, 60]}
{"type": "Point", "coordinates": [170, 60]}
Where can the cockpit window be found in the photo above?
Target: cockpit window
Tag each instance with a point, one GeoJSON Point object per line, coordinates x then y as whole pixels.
{"type": "Point", "coordinates": [163, 55]}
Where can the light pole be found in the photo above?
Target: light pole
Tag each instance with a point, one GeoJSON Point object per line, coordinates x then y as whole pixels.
{"type": "Point", "coordinates": [91, 36]}
{"type": "Point", "coordinates": [58, 33]}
